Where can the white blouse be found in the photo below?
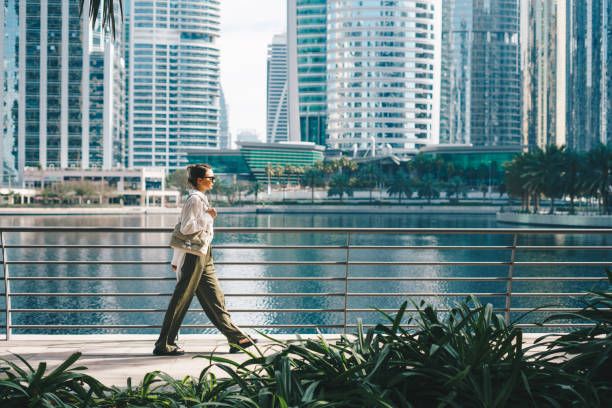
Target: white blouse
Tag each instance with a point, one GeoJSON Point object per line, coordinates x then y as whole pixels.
{"type": "Point", "coordinates": [193, 218]}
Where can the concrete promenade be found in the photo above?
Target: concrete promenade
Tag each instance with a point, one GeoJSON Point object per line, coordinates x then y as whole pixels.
{"type": "Point", "coordinates": [111, 359]}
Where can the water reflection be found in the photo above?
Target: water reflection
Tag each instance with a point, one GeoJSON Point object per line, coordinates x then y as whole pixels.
{"type": "Point", "coordinates": [268, 303]}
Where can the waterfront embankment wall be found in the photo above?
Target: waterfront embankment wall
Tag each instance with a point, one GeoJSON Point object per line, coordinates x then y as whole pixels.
{"type": "Point", "coordinates": [557, 220]}
{"type": "Point", "coordinates": [272, 209]}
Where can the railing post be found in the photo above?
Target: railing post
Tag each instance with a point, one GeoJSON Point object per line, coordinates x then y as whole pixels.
{"type": "Point", "coordinates": [510, 275]}
{"type": "Point", "coordinates": [7, 288]}
{"type": "Point", "coordinates": [346, 275]}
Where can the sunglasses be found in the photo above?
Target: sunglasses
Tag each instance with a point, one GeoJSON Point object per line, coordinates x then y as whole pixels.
{"type": "Point", "coordinates": [212, 178]}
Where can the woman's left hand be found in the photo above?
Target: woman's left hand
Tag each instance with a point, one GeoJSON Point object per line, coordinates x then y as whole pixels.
{"type": "Point", "coordinates": [212, 212]}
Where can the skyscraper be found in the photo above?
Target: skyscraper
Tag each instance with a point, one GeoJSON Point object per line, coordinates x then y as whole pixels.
{"type": "Point", "coordinates": [481, 88]}
{"type": "Point", "coordinates": [173, 80]}
{"type": "Point", "coordinates": [383, 67]}
{"type": "Point", "coordinates": [368, 70]}
{"type": "Point", "coordinates": [276, 106]}
{"type": "Point", "coordinates": [307, 52]}
{"type": "Point", "coordinates": [9, 85]}
{"type": "Point", "coordinates": [589, 74]}
{"type": "Point", "coordinates": [567, 73]}
{"type": "Point", "coordinates": [55, 63]}
{"type": "Point", "coordinates": [225, 141]}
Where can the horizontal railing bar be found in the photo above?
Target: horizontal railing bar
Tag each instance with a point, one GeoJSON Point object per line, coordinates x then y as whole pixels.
{"type": "Point", "coordinates": [167, 247]}
{"type": "Point", "coordinates": [159, 278]}
{"type": "Point", "coordinates": [438, 294]}
{"type": "Point", "coordinates": [359, 263]}
{"type": "Point", "coordinates": [310, 230]}
{"type": "Point", "coordinates": [168, 263]}
{"type": "Point", "coordinates": [337, 247]}
{"type": "Point", "coordinates": [553, 263]}
{"type": "Point", "coordinates": [317, 294]}
{"type": "Point", "coordinates": [116, 246]}
{"type": "Point", "coordinates": [184, 326]}
{"type": "Point", "coordinates": [423, 263]}
{"type": "Point", "coordinates": [528, 325]}
{"type": "Point", "coordinates": [275, 326]}
{"type": "Point", "coordinates": [561, 247]}
{"type": "Point", "coordinates": [562, 278]}
{"type": "Point", "coordinates": [443, 310]}
{"type": "Point", "coordinates": [300, 279]}
{"type": "Point", "coordinates": [163, 310]}
{"type": "Point", "coordinates": [44, 294]}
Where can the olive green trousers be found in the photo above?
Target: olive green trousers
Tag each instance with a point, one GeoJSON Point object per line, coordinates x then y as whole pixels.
{"type": "Point", "coordinates": [198, 278]}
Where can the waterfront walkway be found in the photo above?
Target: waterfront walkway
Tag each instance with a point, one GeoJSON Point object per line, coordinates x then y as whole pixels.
{"type": "Point", "coordinates": [111, 359]}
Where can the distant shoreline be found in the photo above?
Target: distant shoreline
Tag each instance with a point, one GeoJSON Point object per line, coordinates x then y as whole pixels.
{"type": "Point", "coordinates": [266, 209]}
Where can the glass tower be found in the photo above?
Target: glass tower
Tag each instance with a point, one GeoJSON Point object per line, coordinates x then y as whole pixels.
{"type": "Point", "coordinates": [276, 125]}
{"type": "Point", "coordinates": [382, 65]}
{"type": "Point", "coordinates": [9, 90]}
{"type": "Point", "coordinates": [567, 75]}
{"type": "Point", "coordinates": [589, 71]}
{"type": "Point", "coordinates": [307, 38]}
{"type": "Point", "coordinates": [50, 71]}
{"type": "Point", "coordinates": [481, 88]}
{"type": "Point", "coordinates": [173, 80]}
{"type": "Point", "coordinates": [367, 73]}
{"type": "Point", "coordinates": [224, 132]}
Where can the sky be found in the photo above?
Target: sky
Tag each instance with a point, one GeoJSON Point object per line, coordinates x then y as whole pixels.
{"type": "Point", "coordinates": [247, 27]}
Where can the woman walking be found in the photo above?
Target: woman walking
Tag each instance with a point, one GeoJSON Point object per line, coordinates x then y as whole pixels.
{"type": "Point", "coordinates": [193, 264]}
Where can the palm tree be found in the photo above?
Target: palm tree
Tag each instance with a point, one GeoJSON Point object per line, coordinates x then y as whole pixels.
{"type": "Point", "coordinates": [455, 186]}
{"type": "Point", "coordinates": [269, 171]}
{"type": "Point", "coordinates": [428, 187]}
{"type": "Point", "coordinates": [513, 180]}
{"type": "Point", "coordinates": [570, 178]}
{"type": "Point", "coordinates": [289, 170]}
{"type": "Point", "coordinates": [368, 177]}
{"type": "Point", "coordinates": [543, 173]}
{"type": "Point", "coordinates": [400, 184]}
{"type": "Point", "coordinates": [108, 12]}
{"type": "Point", "coordinates": [339, 185]}
{"type": "Point", "coordinates": [313, 177]}
{"type": "Point", "coordinates": [598, 178]}
{"type": "Point", "coordinates": [255, 187]}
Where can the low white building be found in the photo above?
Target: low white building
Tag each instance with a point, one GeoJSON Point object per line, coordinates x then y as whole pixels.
{"type": "Point", "coordinates": [146, 185]}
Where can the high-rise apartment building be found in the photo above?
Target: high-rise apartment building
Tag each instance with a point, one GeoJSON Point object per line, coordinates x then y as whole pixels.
{"type": "Point", "coordinates": [9, 95]}
{"type": "Point", "coordinates": [371, 70]}
{"type": "Point", "coordinates": [276, 106]}
{"type": "Point", "coordinates": [54, 68]}
{"type": "Point", "coordinates": [567, 73]}
{"type": "Point", "coordinates": [589, 74]}
{"type": "Point", "coordinates": [481, 80]}
{"type": "Point", "coordinates": [173, 97]}
{"type": "Point", "coordinates": [383, 67]}
{"type": "Point", "coordinates": [307, 53]}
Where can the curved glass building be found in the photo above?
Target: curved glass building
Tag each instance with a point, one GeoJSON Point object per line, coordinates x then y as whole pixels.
{"type": "Point", "coordinates": [173, 80]}
{"type": "Point", "coordinates": [383, 67]}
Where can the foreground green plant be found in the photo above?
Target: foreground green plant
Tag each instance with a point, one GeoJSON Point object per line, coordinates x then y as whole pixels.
{"type": "Point", "coordinates": [587, 351]}
{"type": "Point", "coordinates": [466, 357]}
{"type": "Point", "coordinates": [63, 387]}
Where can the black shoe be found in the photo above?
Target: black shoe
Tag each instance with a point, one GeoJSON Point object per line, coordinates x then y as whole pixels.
{"type": "Point", "coordinates": [234, 349]}
{"type": "Point", "coordinates": [175, 352]}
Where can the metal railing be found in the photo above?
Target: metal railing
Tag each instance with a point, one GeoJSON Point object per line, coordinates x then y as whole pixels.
{"type": "Point", "coordinates": [347, 249]}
